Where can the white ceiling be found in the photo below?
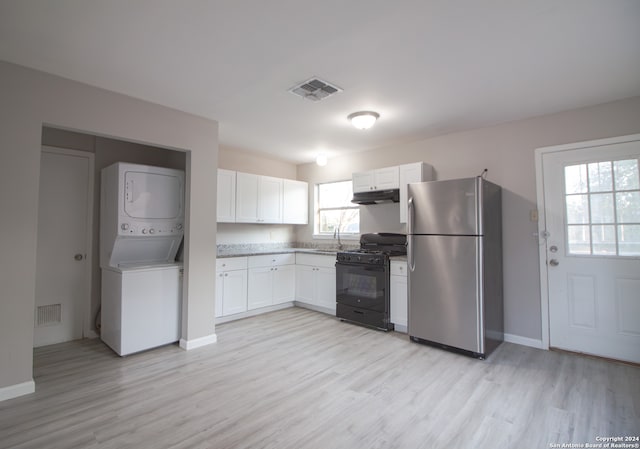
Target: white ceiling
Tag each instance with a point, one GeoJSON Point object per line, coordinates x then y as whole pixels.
{"type": "Point", "coordinates": [428, 67]}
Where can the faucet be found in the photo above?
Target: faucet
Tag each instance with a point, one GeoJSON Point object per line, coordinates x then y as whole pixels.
{"type": "Point", "coordinates": [336, 231]}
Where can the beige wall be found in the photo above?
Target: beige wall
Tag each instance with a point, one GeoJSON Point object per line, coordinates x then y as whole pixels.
{"type": "Point", "coordinates": [258, 164]}
{"type": "Point", "coordinates": [240, 233]}
{"type": "Point", "coordinates": [31, 100]}
{"type": "Point", "coordinates": [508, 152]}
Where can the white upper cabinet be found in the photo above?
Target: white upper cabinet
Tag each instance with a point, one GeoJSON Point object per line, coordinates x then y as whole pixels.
{"type": "Point", "coordinates": [269, 199]}
{"type": "Point", "coordinates": [416, 172]}
{"type": "Point", "coordinates": [261, 199]}
{"type": "Point", "coordinates": [295, 202]}
{"type": "Point", "coordinates": [379, 179]}
{"type": "Point", "coordinates": [226, 196]}
{"type": "Point", "coordinates": [246, 198]}
{"type": "Point", "coordinates": [258, 199]}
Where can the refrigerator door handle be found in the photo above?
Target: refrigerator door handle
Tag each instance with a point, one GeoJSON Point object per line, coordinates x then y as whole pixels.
{"type": "Point", "coordinates": [411, 260]}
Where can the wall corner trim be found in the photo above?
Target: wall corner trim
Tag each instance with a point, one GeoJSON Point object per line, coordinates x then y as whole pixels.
{"type": "Point", "coordinates": [13, 391]}
{"type": "Point", "coordinates": [524, 341]}
{"type": "Point", "coordinates": [187, 345]}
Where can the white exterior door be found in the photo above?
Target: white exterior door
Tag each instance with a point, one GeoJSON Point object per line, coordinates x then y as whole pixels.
{"type": "Point", "coordinates": [591, 194]}
{"type": "Point", "coordinates": [62, 272]}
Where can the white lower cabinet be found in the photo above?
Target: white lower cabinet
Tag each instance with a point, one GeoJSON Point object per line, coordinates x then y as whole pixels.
{"type": "Point", "coordinates": [246, 284]}
{"type": "Point", "coordinates": [271, 280]}
{"type": "Point", "coordinates": [284, 284]}
{"type": "Point", "coordinates": [231, 288]}
{"type": "Point", "coordinates": [399, 295]}
{"type": "Point", "coordinates": [316, 281]}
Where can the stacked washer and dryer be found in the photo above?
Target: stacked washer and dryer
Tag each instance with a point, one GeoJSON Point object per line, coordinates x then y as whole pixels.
{"type": "Point", "coordinates": [141, 228]}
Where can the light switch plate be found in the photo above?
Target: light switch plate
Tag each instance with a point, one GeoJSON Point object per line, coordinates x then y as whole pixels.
{"type": "Point", "coordinates": [533, 215]}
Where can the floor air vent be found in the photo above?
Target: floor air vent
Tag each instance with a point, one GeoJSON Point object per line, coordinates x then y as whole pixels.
{"type": "Point", "coordinates": [315, 89]}
{"type": "Point", "coordinates": [48, 315]}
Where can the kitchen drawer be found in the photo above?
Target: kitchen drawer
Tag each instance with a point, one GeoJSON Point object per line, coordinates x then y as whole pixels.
{"type": "Point", "coordinates": [399, 268]}
{"type": "Point", "coordinates": [231, 263]}
{"type": "Point", "coordinates": [272, 260]}
{"type": "Point", "coordinates": [316, 260]}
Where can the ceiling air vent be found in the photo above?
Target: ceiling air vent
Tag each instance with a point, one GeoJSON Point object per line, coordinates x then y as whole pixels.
{"type": "Point", "coordinates": [315, 89]}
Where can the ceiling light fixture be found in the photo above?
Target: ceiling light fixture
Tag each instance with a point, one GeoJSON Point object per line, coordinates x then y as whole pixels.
{"type": "Point", "coordinates": [363, 119]}
{"type": "Point", "coordinates": [321, 159]}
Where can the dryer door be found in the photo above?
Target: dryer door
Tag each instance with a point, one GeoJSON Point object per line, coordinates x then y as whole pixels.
{"type": "Point", "coordinates": [152, 195]}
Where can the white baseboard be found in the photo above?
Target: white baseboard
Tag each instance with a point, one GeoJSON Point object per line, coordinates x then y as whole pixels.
{"type": "Point", "coordinates": [254, 312]}
{"type": "Point", "coordinates": [315, 308]}
{"type": "Point", "coordinates": [13, 391]}
{"type": "Point", "coordinates": [400, 328]}
{"type": "Point", "coordinates": [524, 341]}
{"type": "Point", "coordinates": [198, 342]}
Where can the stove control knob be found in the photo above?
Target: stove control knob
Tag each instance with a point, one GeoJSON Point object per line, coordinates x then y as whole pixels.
{"type": "Point", "coordinates": [359, 258]}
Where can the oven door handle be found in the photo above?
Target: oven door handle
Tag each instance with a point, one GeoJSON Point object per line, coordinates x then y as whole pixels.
{"type": "Point", "coordinates": [410, 214]}
{"type": "Point", "coordinates": [361, 266]}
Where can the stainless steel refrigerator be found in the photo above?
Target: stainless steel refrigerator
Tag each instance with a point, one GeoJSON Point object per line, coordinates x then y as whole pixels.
{"type": "Point", "coordinates": [454, 237]}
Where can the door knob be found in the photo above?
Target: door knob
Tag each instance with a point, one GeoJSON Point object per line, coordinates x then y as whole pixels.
{"type": "Point", "coordinates": [554, 262]}
{"type": "Point", "coordinates": [78, 256]}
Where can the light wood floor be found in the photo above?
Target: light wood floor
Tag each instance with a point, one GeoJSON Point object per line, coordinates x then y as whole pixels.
{"type": "Point", "coordinates": [298, 379]}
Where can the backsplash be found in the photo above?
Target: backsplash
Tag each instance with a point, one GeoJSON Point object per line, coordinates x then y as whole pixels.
{"type": "Point", "coordinates": [242, 248]}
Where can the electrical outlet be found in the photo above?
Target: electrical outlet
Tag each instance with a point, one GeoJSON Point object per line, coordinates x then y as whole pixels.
{"type": "Point", "coordinates": [533, 215]}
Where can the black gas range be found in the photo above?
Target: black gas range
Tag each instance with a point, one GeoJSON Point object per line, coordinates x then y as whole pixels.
{"type": "Point", "coordinates": [363, 282]}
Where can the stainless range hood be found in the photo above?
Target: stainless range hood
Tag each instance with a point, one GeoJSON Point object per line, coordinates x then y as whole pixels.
{"type": "Point", "coordinates": [377, 197]}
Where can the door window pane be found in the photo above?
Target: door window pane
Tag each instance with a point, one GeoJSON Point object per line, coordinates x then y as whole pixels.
{"type": "Point", "coordinates": [629, 240]}
{"type": "Point", "coordinates": [602, 208]}
{"type": "Point", "coordinates": [575, 178]}
{"type": "Point", "coordinates": [626, 173]}
{"type": "Point", "coordinates": [604, 239]}
{"type": "Point", "coordinates": [577, 209]}
{"type": "Point", "coordinates": [579, 240]}
{"type": "Point", "coordinates": [600, 177]}
{"type": "Point", "coordinates": [628, 207]}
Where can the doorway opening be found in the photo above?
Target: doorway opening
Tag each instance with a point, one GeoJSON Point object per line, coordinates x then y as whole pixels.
{"type": "Point", "coordinates": [589, 197]}
{"type": "Point", "coordinates": [75, 270]}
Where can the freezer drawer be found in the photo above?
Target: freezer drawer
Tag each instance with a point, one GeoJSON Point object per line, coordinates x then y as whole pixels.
{"type": "Point", "coordinates": [445, 292]}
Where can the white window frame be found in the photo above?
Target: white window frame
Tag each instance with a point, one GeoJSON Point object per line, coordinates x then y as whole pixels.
{"type": "Point", "coordinates": [316, 215]}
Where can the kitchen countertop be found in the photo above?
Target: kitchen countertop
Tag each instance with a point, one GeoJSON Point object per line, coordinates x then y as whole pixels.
{"type": "Point", "coordinates": [242, 252]}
